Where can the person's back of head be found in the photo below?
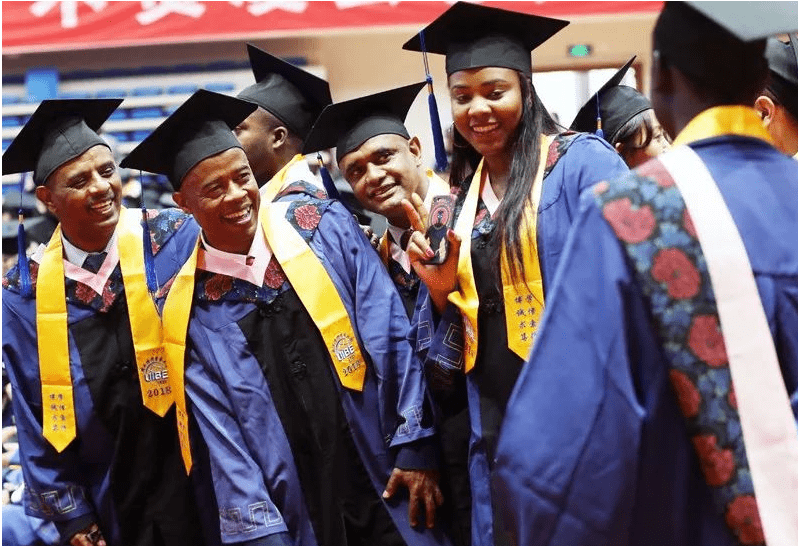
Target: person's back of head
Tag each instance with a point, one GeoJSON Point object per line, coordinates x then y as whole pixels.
{"type": "Point", "coordinates": [777, 103]}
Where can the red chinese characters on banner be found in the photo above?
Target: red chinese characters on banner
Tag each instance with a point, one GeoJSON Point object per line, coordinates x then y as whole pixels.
{"type": "Point", "coordinates": [48, 25]}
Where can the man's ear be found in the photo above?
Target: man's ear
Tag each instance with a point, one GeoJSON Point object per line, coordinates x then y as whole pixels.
{"type": "Point", "coordinates": [44, 195]}
{"type": "Point", "coordinates": [180, 199]}
{"type": "Point", "coordinates": [766, 108]}
{"type": "Point", "coordinates": [279, 136]}
{"type": "Point", "coordinates": [415, 148]}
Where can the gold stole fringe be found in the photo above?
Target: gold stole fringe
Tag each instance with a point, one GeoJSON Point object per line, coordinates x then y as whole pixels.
{"type": "Point", "coordinates": [523, 301]}
{"type": "Point", "coordinates": [312, 284]}
{"type": "Point", "coordinates": [58, 407]}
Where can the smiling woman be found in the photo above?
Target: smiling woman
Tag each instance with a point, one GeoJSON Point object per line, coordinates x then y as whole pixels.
{"type": "Point", "coordinates": [517, 183]}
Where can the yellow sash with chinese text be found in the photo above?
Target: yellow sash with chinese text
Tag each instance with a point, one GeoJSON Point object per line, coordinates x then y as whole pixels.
{"type": "Point", "coordinates": [58, 407]}
{"type": "Point", "coordinates": [523, 300]}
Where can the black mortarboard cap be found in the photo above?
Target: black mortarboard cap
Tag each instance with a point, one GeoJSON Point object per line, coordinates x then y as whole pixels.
{"type": "Point", "coordinates": [751, 20]}
{"type": "Point", "coordinates": [57, 132]}
{"type": "Point", "coordinates": [346, 125]}
{"type": "Point", "coordinates": [200, 128]}
{"type": "Point", "coordinates": [617, 104]}
{"type": "Point", "coordinates": [783, 64]}
{"type": "Point", "coordinates": [294, 96]}
{"type": "Point", "coordinates": [474, 36]}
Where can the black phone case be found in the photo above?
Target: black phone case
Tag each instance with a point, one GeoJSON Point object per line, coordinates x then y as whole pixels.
{"type": "Point", "coordinates": [441, 219]}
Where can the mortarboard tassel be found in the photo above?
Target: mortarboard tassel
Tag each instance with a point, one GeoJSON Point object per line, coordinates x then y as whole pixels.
{"type": "Point", "coordinates": [149, 260]}
{"type": "Point", "coordinates": [441, 162]}
{"type": "Point", "coordinates": [22, 244]}
{"type": "Point", "coordinates": [599, 130]}
{"type": "Point", "coordinates": [329, 185]}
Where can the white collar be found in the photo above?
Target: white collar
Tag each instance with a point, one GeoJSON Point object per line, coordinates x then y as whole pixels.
{"type": "Point", "coordinates": [235, 265]}
{"type": "Point", "coordinates": [77, 256]}
{"type": "Point", "coordinates": [489, 196]}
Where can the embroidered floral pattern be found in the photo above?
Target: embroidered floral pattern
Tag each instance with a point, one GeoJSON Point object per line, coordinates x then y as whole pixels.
{"type": "Point", "coordinates": [274, 277]}
{"type": "Point", "coordinates": [742, 515]}
{"type": "Point", "coordinates": [687, 394]}
{"type": "Point", "coordinates": [631, 224]}
{"type": "Point", "coordinates": [706, 340]}
{"type": "Point", "coordinates": [648, 214]}
{"type": "Point", "coordinates": [716, 464]}
{"type": "Point", "coordinates": [671, 267]}
{"type": "Point", "coordinates": [307, 216]}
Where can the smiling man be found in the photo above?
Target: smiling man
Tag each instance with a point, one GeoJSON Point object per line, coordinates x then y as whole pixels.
{"type": "Point", "coordinates": [288, 340]}
{"type": "Point", "coordinates": [383, 164]}
{"type": "Point", "coordinates": [82, 344]}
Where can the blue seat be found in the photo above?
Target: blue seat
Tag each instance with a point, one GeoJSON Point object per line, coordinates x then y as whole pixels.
{"type": "Point", "coordinates": [220, 87]}
{"type": "Point", "coordinates": [138, 136]}
{"type": "Point", "coordinates": [11, 99]}
{"type": "Point", "coordinates": [119, 113]}
{"type": "Point", "coordinates": [41, 84]}
{"type": "Point", "coordinates": [146, 91]}
{"type": "Point", "coordinates": [74, 95]}
{"type": "Point", "coordinates": [6, 144]}
{"type": "Point", "coordinates": [169, 110]}
{"type": "Point", "coordinates": [181, 89]}
{"type": "Point", "coordinates": [148, 112]}
{"type": "Point", "coordinates": [11, 121]}
{"type": "Point", "coordinates": [111, 93]}
{"type": "Point", "coordinates": [122, 136]}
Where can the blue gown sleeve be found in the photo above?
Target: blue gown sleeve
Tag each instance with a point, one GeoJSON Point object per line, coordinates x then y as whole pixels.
{"type": "Point", "coordinates": [55, 487]}
{"type": "Point", "coordinates": [247, 513]}
{"type": "Point", "coordinates": [438, 341]}
{"type": "Point", "coordinates": [566, 462]}
{"type": "Point", "coordinates": [381, 323]}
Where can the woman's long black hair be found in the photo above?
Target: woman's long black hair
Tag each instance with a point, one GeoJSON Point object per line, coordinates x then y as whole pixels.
{"type": "Point", "coordinates": [535, 121]}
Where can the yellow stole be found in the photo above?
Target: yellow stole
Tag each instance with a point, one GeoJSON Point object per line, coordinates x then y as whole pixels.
{"type": "Point", "coordinates": [58, 406]}
{"type": "Point", "coordinates": [314, 288]}
{"type": "Point", "coordinates": [438, 186]}
{"type": "Point", "coordinates": [723, 120]}
{"type": "Point", "coordinates": [275, 185]}
{"type": "Point", "coordinates": [523, 300]}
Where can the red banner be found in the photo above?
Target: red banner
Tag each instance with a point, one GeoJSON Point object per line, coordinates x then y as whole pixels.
{"type": "Point", "coordinates": [59, 25]}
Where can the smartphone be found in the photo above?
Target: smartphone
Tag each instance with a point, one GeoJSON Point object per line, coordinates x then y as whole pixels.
{"type": "Point", "coordinates": [441, 219]}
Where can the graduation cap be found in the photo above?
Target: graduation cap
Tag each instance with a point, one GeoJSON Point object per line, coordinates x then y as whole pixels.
{"type": "Point", "coordinates": [611, 107]}
{"type": "Point", "coordinates": [751, 20]}
{"type": "Point", "coordinates": [200, 128]}
{"type": "Point", "coordinates": [783, 63]}
{"type": "Point", "coordinates": [294, 96]}
{"type": "Point", "coordinates": [474, 36]}
{"type": "Point", "coordinates": [57, 132]}
{"type": "Point", "coordinates": [731, 34]}
{"type": "Point", "coordinates": [346, 125]}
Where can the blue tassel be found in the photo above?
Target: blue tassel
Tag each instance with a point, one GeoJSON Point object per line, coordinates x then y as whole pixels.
{"type": "Point", "coordinates": [329, 185]}
{"type": "Point", "coordinates": [149, 260]}
{"type": "Point", "coordinates": [441, 161]}
{"type": "Point", "coordinates": [24, 267]}
{"type": "Point", "coordinates": [599, 130]}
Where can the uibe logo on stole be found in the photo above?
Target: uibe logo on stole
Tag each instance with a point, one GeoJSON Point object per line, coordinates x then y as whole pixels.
{"type": "Point", "coordinates": [343, 347]}
{"type": "Point", "coordinates": [155, 370]}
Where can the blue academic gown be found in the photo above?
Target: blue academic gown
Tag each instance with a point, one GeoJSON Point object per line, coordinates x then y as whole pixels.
{"type": "Point", "coordinates": [77, 486]}
{"type": "Point", "coordinates": [594, 449]}
{"type": "Point", "coordinates": [255, 473]}
{"type": "Point", "coordinates": [576, 161]}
